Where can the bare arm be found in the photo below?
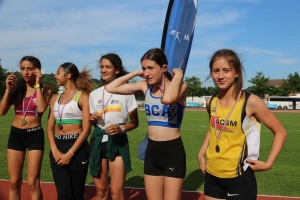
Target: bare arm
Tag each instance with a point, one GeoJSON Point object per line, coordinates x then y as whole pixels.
{"type": "Point", "coordinates": [202, 152]}
{"type": "Point", "coordinates": [50, 131]}
{"type": "Point", "coordinates": [177, 89]}
{"type": "Point", "coordinates": [118, 86]}
{"type": "Point", "coordinates": [5, 104]}
{"type": "Point", "coordinates": [257, 108]}
{"type": "Point", "coordinates": [42, 98]}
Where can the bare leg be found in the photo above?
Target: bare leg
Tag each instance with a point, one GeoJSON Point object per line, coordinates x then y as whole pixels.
{"type": "Point", "coordinates": [101, 181]}
{"type": "Point", "coordinates": [35, 158]}
{"type": "Point", "coordinates": [15, 162]}
{"type": "Point", "coordinates": [172, 188]}
{"type": "Point", "coordinates": [154, 187]}
{"type": "Point", "coordinates": [117, 174]}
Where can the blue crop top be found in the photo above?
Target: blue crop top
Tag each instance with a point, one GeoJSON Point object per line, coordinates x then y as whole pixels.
{"type": "Point", "coordinates": [159, 114]}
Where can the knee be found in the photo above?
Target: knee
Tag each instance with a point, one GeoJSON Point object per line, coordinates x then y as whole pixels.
{"type": "Point", "coordinates": [117, 194]}
{"type": "Point", "coordinates": [102, 193]}
{"type": "Point", "coordinates": [15, 184]}
{"type": "Point", "coordinates": [33, 185]}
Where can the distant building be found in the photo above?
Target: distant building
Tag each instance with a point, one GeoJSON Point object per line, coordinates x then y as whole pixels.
{"type": "Point", "coordinates": [275, 82]}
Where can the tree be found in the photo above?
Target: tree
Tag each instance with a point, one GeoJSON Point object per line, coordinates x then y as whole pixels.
{"type": "Point", "coordinates": [260, 85]}
{"type": "Point", "coordinates": [212, 90]}
{"type": "Point", "coordinates": [194, 88]}
{"type": "Point", "coordinates": [292, 84]}
{"type": "Point", "coordinates": [3, 75]}
{"type": "Point", "coordinates": [49, 79]}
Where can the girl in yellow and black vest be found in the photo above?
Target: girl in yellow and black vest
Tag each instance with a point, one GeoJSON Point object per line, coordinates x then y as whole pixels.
{"type": "Point", "coordinates": [230, 151]}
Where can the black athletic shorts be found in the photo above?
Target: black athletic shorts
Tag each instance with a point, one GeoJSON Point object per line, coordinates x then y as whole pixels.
{"type": "Point", "coordinates": [31, 138]}
{"type": "Point", "coordinates": [103, 148]}
{"type": "Point", "coordinates": [239, 188]}
{"type": "Point", "coordinates": [165, 158]}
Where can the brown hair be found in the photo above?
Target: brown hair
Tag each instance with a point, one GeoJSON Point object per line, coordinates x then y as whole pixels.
{"type": "Point", "coordinates": [82, 80]}
{"type": "Point", "coordinates": [234, 61]}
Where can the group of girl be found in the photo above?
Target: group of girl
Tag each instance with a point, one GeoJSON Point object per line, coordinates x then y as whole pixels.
{"type": "Point", "coordinates": [228, 157]}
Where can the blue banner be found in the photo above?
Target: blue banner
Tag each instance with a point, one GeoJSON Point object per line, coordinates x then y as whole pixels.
{"type": "Point", "coordinates": [179, 31]}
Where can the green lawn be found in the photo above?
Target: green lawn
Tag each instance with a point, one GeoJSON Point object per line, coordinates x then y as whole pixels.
{"type": "Point", "coordinates": [282, 179]}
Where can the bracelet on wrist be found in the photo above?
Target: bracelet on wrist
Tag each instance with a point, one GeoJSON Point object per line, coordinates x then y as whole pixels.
{"type": "Point", "coordinates": [9, 90]}
{"type": "Point", "coordinates": [37, 86]}
{"type": "Point", "coordinates": [71, 152]}
{"type": "Point", "coordinates": [122, 128]}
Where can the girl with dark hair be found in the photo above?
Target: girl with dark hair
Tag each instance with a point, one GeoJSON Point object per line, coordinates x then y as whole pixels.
{"type": "Point", "coordinates": [230, 151]}
{"type": "Point", "coordinates": [30, 99]}
{"type": "Point", "coordinates": [165, 97]}
{"type": "Point", "coordinates": [68, 129]}
{"type": "Point", "coordinates": [109, 142]}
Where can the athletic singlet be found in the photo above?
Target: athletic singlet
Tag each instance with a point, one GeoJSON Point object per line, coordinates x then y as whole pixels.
{"type": "Point", "coordinates": [32, 108]}
{"type": "Point", "coordinates": [71, 113]}
{"type": "Point", "coordinates": [239, 141]}
{"type": "Point", "coordinates": [159, 114]}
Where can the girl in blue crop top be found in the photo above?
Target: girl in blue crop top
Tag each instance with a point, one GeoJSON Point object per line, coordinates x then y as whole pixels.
{"type": "Point", "coordinates": [165, 96]}
{"type": "Point", "coordinates": [68, 129]}
{"type": "Point", "coordinates": [30, 99]}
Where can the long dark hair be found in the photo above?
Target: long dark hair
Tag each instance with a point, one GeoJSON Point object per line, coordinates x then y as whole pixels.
{"type": "Point", "coordinates": [157, 55]}
{"type": "Point", "coordinates": [116, 62]}
{"type": "Point", "coordinates": [234, 61]}
{"type": "Point", "coordinates": [20, 88]}
{"type": "Point", "coordinates": [82, 80]}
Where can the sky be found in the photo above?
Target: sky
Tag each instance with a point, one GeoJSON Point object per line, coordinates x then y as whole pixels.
{"type": "Point", "coordinates": [264, 33]}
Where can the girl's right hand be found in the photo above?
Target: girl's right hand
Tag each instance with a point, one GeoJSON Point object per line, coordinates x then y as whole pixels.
{"type": "Point", "coordinates": [57, 155]}
{"type": "Point", "coordinates": [202, 162]}
{"type": "Point", "coordinates": [95, 116]}
{"type": "Point", "coordinates": [10, 81]}
{"type": "Point", "coordinates": [140, 73]}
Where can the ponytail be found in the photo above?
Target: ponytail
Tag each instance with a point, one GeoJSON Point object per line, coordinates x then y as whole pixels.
{"type": "Point", "coordinates": [84, 81]}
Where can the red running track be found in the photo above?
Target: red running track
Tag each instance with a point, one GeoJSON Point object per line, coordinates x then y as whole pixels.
{"type": "Point", "coordinates": [49, 193]}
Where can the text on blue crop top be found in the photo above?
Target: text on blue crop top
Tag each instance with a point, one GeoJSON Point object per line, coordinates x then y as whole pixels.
{"type": "Point", "coordinates": [159, 114]}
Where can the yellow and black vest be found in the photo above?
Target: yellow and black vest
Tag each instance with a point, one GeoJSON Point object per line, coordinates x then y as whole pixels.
{"type": "Point", "coordinates": [239, 141]}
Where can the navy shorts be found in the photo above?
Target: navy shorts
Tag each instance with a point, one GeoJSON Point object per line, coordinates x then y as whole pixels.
{"type": "Point", "coordinates": [22, 139]}
{"type": "Point", "coordinates": [239, 188]}
{"type": "Point", "coordinates": [165, 158]}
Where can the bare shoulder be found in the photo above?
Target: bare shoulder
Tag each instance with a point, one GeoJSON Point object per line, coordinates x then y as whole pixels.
{"type": "Point", "coordinates": [54, 97]}
{"type": "Point", "coordinates": [254, 100]}
{"type": "Point", "coordinates": [256, 106]}
{"type": "Point", "coordinates": [84, 96]}
{"type": "Point", "coordinates": [143, 84]}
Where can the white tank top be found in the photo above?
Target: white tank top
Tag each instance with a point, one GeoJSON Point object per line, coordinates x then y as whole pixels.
{"type": "Point", "coordinates": [70, 112]}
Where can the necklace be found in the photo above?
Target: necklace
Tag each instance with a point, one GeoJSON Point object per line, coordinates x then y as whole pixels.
{"type": "Point", "coordinates": [61, 112]}
{"type": "Point", "coordinates": [101, 121]}
{"type": "Point", "coordinates": [23, 121]}
{"type": "Point", "coordinates": [215, 120]}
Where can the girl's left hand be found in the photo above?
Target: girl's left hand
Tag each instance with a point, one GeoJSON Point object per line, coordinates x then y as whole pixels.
{"type": "Point", "coordinates": [177, 71]}
{"type": "Point", "coordinates": [38, 76]}
{"type": "Point", "coordinates": [113, 129]}
{"type": "Point", "coordinates": [257, 165]}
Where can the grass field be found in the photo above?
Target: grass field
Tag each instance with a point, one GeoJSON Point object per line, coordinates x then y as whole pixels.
{"type": "Point", "coordinates": [282, 179]}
